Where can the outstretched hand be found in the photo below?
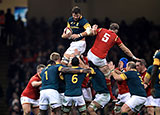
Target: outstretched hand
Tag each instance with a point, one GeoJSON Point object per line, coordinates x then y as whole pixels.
{"type": "Point", "coordinates": [136, 59]}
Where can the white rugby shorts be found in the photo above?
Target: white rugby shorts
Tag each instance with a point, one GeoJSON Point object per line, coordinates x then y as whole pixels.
{"type": "Point", "coordinates": [25, 100]}
{"type": "Point", "coordinates": [102, 98]}
{"type": "Point", "coordinates": [49, 97]}
{"type": "Point", "coordinates": [77, 100]}
{"type": "Point", "coordinates": [87, 94]}
{"type": "Point", "coordinates": [96, 60]}
{"type": "Point", "coordinates": [151, 101]}
{"type": "Point", "coordinates": [156, 102]}
{"type": "Point", "coordinates": [79, 45]}
{"type": "Point", "coordinates": [136, 102]}
{"type": "Point", "coordinates": [123, 97]}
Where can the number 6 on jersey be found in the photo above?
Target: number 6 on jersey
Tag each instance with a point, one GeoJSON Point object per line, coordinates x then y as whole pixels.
{"type": "Point", "coordinates": [74, 78]}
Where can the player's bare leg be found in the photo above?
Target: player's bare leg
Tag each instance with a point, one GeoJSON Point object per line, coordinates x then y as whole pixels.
{"type": "Point", "coordinates": [150, 110]}
{"type": "Point", "coordinates": [125, 110]}
{"type": "Point", "coordinates": [106, 69]}
{"type": "Point", "coordinates": [56, 111]}
{"type": "Point", "coordinates": [65, 59]}
{"type": "Point", "coordinates": [26, 109]}
{"type": "Point", "coordinates": [76, 52]}
{"type": "Point", "coordinates": [157, 110]}
{"type": "Point", "coordinates": [35, 110]}
{"type": "Point", "coordinates": [43, 112]}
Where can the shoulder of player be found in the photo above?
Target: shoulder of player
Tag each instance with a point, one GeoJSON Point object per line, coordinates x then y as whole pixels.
{"type": "Point", "coordinates": [132, 73]}
{"type": "Point", "coordinates": [128, 73]}
{"type": "Point", "coordinates": [149, 69]}
{"type": "Point", "coordinates": [83, 20]}
{"type": "Point", "coordinates": [70, 19]}
{"type": "Point", "coordinates": [158, 55]}
{"type": "Point", "coordinates": [35, 77]}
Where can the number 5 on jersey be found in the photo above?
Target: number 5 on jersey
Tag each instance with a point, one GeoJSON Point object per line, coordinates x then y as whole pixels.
{"type": "Point", "coordinates": [105, 37]}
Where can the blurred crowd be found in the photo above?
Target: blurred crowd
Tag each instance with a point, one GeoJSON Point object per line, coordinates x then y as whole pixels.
{"type": "Point", "coordinates": [32, 44]}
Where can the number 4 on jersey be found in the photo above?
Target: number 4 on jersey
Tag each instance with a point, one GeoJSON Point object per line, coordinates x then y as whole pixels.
{"type": "Point", "coordinates": [105, 37]}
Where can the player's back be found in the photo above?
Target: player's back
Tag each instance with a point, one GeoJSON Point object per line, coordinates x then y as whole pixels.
{"type": "Point", "coordinates": [98, 82]}
{"type": "Point", "coordinates": [49, 77]}
{"type": "Point", "coordinates": [135, 83]}
{"type": "Point", "coordinates": [73, 83]}
{"type": "Point", "coordinates": [105, 40]}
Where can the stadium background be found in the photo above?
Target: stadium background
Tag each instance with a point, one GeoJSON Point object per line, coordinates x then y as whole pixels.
{"type": "Point", "coordinates": [139, 30]}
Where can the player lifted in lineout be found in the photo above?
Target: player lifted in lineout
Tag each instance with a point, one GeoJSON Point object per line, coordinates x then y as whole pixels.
{"type": "Point", "coordinates": [76, 24]}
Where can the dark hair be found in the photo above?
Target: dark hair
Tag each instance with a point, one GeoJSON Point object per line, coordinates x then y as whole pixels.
{"type": "Point", "coordinates": [40, 66]}
{"type": "Point", "coordinates": [132, 65]}
{"type": "Point", "coordinates": [51, 62]}
{"type": "Point", "coordinates": [142, 62]}
{"type": "Point", "coordinates": [75, 61]}
{"type": "Point", "coordinates": [76, 10]}
{"type": "Point", "coordinates": [114, 26]}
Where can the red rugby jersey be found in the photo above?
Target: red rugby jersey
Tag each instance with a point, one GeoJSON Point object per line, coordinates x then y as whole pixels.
{"type": "Point", "coordinates": [122, 85]}
{"type": "Point", "coordinates": [104, 41]}
{"type": "Point", "coordinates": [30, 91]}
{"type": "Point", "coordinates": [148, 89]}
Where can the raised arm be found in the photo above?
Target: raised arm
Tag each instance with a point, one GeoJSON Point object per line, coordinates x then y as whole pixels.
{"type": "Point", "coordinates": [127, 51]}
{"type": "Point", "coordinates": [89, 32]}
{"type": "Point", "coordinates": [72, 70]}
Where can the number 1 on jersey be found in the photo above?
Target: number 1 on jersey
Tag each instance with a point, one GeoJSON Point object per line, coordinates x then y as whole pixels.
{"type": "Point", "coordinates": [46, 75]}
{"type": "Point", "coordinates": [105, 37]}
